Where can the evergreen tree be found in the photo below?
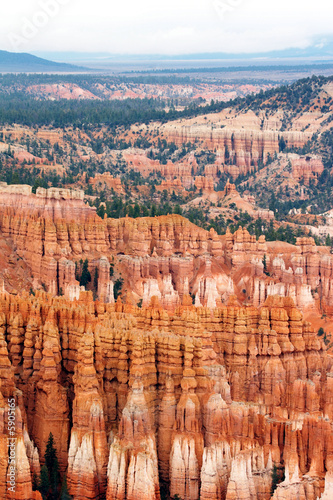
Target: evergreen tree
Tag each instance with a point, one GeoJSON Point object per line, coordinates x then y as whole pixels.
{"type": "Point", "coordinates": [264, 261]}
{"type": "Point", "coordinates": [44, 483]}
{"type": "Point", "coordinates": [328, 241]}
{"type": "Point", "coordinates": [85, 275]}
{"type": "Point", "coordinates": [54, 480]}
{"type": "Point", "coordinates": [50, 453]}
{"type": "Point", "coordinates": [118, 284]}
{"type": "Point", "coordinates": [52, 465]}
{"type": "Point", "coordinates": [64, 494]}
{"type": "Point", "coordinates": [35, 484]}
{"type": "Point", "coordinates": [136, 211]}
{"type": "Point", "coordinates": [177, 209]}
{"type": "Point", "coordinates": [278, 477]}
{"type": "Point", "coordinates": [153, 211]}
{"type": "Point", "coordinates": [282, 144]}
{"type": "Point", "coordinates": [111, 270]}
{"type": "Point", "coordinates": [275, 479]}
{"type": "Point", "coordinates": [101, 211]}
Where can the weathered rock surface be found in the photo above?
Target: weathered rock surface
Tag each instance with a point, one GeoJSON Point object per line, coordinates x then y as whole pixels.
{"type": "Point", "coordinates": [196, 401]}
{"type": "Point", "coordinates": [165, 257]}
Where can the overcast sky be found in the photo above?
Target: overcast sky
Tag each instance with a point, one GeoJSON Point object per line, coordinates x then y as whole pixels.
{"type": "Point", "coordinates": [166, 27]}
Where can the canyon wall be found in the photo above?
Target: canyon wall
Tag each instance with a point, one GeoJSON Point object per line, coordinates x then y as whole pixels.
{"type": "Point", "coordinates": [166, 257]}
{"type": "Point", "coordinates": [307, 168]}
{"type": "Point", "coordinates": [142, 401]}
{"type": "Point", "coordinates": [200, 380]}
{"type": "Point", "coordinates": [232, 158]}
{"type": "Point", "coordinates": [246, 145]}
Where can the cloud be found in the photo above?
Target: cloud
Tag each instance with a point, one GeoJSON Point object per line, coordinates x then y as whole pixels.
{"type": "Point", "coordinates": [171, 27]}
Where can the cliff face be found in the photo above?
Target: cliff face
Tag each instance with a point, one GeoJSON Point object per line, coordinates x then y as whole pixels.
{"type": "Point", "coordinates": [196, 402]}
{"type": "Point", "coordinates": [236, 152]}
{"type": "Point", "coordinates": [246, 145]}
{"type": "Point", "coordinates": [165, 257]}
{"type": "Point", "coordinates": [106, 180]}
{"type": "Point", "coordinates": [307, 169]}
{"type": "Point", "coordinates": [184, 170]}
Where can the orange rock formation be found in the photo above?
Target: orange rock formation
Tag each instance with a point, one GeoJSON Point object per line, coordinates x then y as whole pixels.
{"type": "Point", "coordinates": [246, 146]}
{"type": "Point", "coordinates": [106, 180]}
{"type": "Point", "coordinates": [165, 257]}
{"type": "Point", "coordinates": [307, 168]}
{"type": "Point", "coordinates": [199, 402]}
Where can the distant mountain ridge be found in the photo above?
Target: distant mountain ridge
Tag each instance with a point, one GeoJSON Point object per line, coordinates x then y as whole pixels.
{"type": "Point", "coordinates": [320, 51]}
{"type": "Point", "coordinates": [21, 62]}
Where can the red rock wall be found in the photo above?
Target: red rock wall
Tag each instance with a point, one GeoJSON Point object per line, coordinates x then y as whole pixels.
{"type": "Point", "coordinates": [306, 169]}
{"type": "Point", "coordinates": [205, 401]}
{"type": "Point", "coordinates": [245, 146]}
{"type": "Point", "coordinates": [166, 256]}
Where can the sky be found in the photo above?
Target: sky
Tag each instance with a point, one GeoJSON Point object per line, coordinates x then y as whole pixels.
{"type": "Point", "coordinates": [164, 27]}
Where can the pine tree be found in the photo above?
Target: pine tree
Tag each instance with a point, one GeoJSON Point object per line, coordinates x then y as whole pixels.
{"type": "Point", "coordinates": [44, 483]}
{"type": "Point", "coordinates": [282, 144]}
{"type": "Point", "coordinates": [264, 261]}
{"type": "Point", "coordinates": [177, 209]}
{"type": "Point", "coordinates": [275, 479]}
{"type": "Point", "coordinates": [64, 494]}
{"type": "Point", "coordinates": [52, 465]}
{"type": "Point", "coordinates": [85, 275]}
{"type": "Point", "coordinates": [35, 484]}
{"type": "Point", "coordinates": [50, 453]}
{"type": "Point", "coordinates": [101, 211]}
{"type": "Point", "coordinates": [111, 270]}
{"type": "Point", "coordinates": [153, 211]}
{"type": "Point", "coordinates": [321, 331]}
{"type": "Point", "coordinates": [136, 211]}
{"type": "Point", "coordinates": [54, 480]}
{"type": "Point", "coordinates": [118, 284]}
{"type": "Point", "coordinates": [328, 241]}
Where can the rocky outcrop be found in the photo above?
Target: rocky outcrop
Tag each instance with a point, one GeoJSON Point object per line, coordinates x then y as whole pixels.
{"type": "Point", "coordinates": [172, 186]}
{"type": "Point", "coordinates": [87, 454]}
{"type": "Point", "coordinates": [182, 170]}
{"type": "Point", "coordinates": [16, 133]}
{"type": "Point", "coordinates": [204, 185]}
{"type": "Point", "coordinates": [306, 169]}
{"type": "Point", "coordinates": [163, 291]}
{"type": "Point", "coordinates": [244, 145]}
{"type": "Point", "coordinates": [198, 401]}
{"type": "Point", "coordinates": [167, 256]}
{"type": "Point", "coordinates": [107, 181]}
{"type": "Point", "coordinates": [133, 464]}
